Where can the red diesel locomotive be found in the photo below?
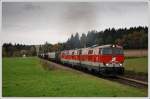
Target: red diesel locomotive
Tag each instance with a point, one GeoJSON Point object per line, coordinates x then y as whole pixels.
{"type": "Point", "coordinates": [106, 59]}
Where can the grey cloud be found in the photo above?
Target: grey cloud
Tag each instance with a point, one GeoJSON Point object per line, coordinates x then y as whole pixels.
{"type": "Point", "coordinates": [53, 19]}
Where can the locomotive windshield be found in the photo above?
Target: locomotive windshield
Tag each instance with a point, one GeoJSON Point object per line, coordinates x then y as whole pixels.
{"type": "Point", "coordinates": [106, 51]}
{"type": "Point", "coordinates": [109, 51]}
{"type": "Point", "coordinates": [117, 51]}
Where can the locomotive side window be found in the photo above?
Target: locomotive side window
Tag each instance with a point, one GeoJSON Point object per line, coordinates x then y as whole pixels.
{"type": "Point", "coordinates": [79, 52]}
{"type": "Point", "coordinates": [90, 52]}
{"type": "Point", "coordinates": [72, 53]}
{"type": "Point", "coordinates": [100, 51]}
{"type": "Point", "coordinates": [67, 53]}
{"type": "Point", "coordinates": [106, 51]}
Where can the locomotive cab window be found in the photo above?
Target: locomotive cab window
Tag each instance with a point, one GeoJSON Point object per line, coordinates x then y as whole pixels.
{"type": "Point", "coordinates": [118, 51]}
{"type": "Point", "coordinates": [106, 51]}
{"type": "Point", "coordinates": [109, 51]}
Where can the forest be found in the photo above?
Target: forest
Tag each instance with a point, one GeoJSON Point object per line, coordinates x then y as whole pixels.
{"type": "Point", "coordinates": [129, 38]}
{"type": "Point", "coordinates": [17, 50]}
{"type": "Point", "coordinates": [132, 38]}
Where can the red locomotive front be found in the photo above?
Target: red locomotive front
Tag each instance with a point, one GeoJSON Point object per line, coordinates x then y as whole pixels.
{"type": "Point", "coordinates": [112, 58]}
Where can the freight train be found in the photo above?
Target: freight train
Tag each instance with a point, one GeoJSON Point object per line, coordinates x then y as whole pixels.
{"type": "Point", "coordinates": [105, 60]}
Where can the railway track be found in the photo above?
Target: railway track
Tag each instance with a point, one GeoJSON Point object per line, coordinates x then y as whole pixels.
{"type": "Point", "coordinates": [126, 81]}
{"type": "Point", "coordinates": [133, 80]}
{"type": "Point", "coordinates": [120, 79]}
{"type": "Point", "coordinates": [139, 82]}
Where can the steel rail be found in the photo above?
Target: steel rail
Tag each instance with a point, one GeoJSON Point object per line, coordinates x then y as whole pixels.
{"type": "Point", "coordinates": [133, 80]}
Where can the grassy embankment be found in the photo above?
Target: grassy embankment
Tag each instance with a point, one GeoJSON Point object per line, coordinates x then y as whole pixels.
{"type": "Point", "coordinates": [137, 65]}
{"type": "Point", "coordinates": [26, 77]}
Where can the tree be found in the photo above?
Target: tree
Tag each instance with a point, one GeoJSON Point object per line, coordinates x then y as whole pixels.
{"type": "Point", "coordinates": [83, 40]}
{"type": "Point", "coordinates": [99, 38]}
{"type": "Point", "coordinates": [109, 40]}
{"type": "Point", "coordinates": [4, 53]}
{"type": "Point", "coordinates": [32, 51]}
{"type": "Point", "coordinates": [23, 52]}
{"type": "Point", "coordinates": [76, 41]}
{"type": "Point", "coordinates": [90, 41]}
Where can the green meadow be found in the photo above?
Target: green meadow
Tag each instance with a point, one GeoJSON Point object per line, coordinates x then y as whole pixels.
{"type": "Point", "coordinates": [137, 65]}
{"type": "Point", "coordinates": [26, 77]}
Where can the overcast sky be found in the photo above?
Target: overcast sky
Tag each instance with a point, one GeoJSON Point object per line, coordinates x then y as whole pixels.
{"type": "Point", "coordinates": [38, 22]}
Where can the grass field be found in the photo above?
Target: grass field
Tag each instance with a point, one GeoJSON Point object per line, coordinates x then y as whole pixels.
{"type": "Point", "coordinates": [26, 77]}
{"type": "Point", "coordinates": [137, 65]}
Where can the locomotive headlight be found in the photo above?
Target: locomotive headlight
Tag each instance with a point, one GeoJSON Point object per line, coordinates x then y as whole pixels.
{"type": "Point", "coordinates": [107, 64]}
{"type": "Point", "coordinates": [120, 64]}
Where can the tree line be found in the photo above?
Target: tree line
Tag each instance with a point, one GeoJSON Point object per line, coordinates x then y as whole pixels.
{"type": "Point", "coordinates": [131, 38]}
{"type": "Point", "coordinates": [17, 50]}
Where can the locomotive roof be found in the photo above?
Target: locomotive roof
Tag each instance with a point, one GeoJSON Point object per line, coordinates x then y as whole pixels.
{"type": "Point", "coordinates": [103, 46]}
